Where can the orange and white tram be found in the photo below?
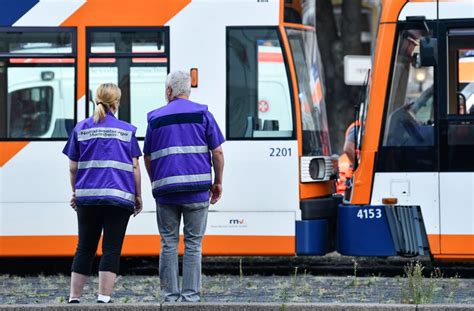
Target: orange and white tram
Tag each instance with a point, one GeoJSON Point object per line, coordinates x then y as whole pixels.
{"type": "Point", "coordinates": [413, 187]}
{"type": "Point", "coordinates": [256, 67]}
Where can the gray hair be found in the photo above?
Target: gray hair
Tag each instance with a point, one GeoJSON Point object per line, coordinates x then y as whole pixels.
{"type": "Point", "coordinates": [180, 83]}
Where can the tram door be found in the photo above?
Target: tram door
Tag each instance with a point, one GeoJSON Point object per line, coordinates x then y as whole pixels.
{"type": "Point", "coordinates": [456, 141]}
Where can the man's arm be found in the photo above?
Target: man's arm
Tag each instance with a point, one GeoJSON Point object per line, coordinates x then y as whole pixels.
{"type": "Point", "coordinates": [218, 163]}
{"type": "Point", "coordinates": [349, 149]}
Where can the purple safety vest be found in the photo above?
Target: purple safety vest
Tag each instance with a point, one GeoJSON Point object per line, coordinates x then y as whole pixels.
{"type": "Point", "coordinates": [179, 138]}
{"type": "Point", "coordinates": [104, 153]}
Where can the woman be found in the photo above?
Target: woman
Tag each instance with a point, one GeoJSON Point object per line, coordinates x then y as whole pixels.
{"type": "Point", "coordinates": [106, 189]}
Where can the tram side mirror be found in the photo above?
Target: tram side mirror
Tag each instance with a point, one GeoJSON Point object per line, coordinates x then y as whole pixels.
{"type": "Point", "coordinates": [428, 52]}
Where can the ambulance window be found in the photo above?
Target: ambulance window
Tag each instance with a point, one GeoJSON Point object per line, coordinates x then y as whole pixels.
{"type": "Point", "coordinates": [29, 112]}
{"type": "Point", "coordinates": [137, 61]}
{"type": "Point", "coordinates": [259, 104]}
{"type": "Point", "coordinates": [37, 83]}
{"type": "Point", "coordinates": [410, 112]}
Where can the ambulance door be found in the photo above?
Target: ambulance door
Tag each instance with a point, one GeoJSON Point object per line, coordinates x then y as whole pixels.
{"type": "Point", "coordinates": [457, 142]}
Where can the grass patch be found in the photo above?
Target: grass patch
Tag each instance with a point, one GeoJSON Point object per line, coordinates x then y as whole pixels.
{"type": "Point", "coordinates": [418, 289]}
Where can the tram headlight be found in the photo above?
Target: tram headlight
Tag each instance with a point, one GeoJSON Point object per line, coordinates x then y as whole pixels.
{"type": "Point", "coordinates": [316, 169]}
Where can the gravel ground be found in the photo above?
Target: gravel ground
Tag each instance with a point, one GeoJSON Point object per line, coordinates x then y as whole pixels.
{"type": "Point", "coordinates": [234, 288]}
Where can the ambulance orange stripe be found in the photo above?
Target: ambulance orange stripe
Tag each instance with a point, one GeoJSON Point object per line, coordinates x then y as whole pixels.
{"type": "Point", "coordinates": [466, 71]}
{"type": "Point", "coordinates": [381, 69]}
{"type": "Point", "coordinates": [8, 149]}
{"type": "Point", "coordinates": [270, 57]}
{"type": "Point", "coordinates": [148, 245]}
{"type": "Point", "coordinates": [42, 60]}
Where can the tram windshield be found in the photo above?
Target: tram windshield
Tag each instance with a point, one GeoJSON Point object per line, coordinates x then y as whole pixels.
{"type": "Point", "coordinates": [313, 110]}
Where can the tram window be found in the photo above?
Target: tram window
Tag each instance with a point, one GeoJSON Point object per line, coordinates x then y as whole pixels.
{"type": "Point", "coordinates": [37, 95]}
{"type": "Point", "coordinates": [313, 110]}
{"type": "Point", "coordinates": [258, 93]}
{"type": "Point", "coordinates": [410, 112]}
{"type": "Point", "coordinates": [137, 62]}
{"type": "Point", "coordinates": [35, 42]}
{"type": "Point", "coordinates": [461, 89]}
{"type": "Point", "coordinates": [128, 41]}
{"type": "Point", "coordinates": [300, 12]}
{"type": "Point", "coordinates": [461, 71]}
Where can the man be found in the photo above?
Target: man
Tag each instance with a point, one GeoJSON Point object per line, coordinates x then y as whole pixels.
{"type": "Point", "coordinates": [181, 141]}
{"type": "Point", "coordinates": [349, 142]}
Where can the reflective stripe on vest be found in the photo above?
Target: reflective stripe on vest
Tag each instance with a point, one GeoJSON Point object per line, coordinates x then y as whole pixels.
{"type": "Point", "coordinates": [181, 179]}
{"type": "Point", "coordinates": [105, 164]}
{"type": "Point", "coordinates": [105, 192]}
{"type": "Point", "coordinates": [178, 150]}
{"type": "Point", "coordinates": [104, 132]}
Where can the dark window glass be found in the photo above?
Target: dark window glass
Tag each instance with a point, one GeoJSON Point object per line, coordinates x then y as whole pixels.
{"type": "Point", "coordinates": [139, 66]}
{"type": "Point", "coordinates": [313, 109]}
{"type": "Point", "coordinates": [300, 12]}
{"type": "Point", "coordinates": [457, 131]}
{"type": "Point", "coordinates": [410, 113]}
{"type": "Point", "coordinates": [127, 42]}
{"type": "Point", "coordinates": [408, 142]}
{"type": "Point", "coordinates": [259, 103]}
{"type": "Point", "coordinates": [37, 93]}
{"type": "Point", "coordinates": [29, 112]}
{"type": "Point", "coordinates": [36, 42]}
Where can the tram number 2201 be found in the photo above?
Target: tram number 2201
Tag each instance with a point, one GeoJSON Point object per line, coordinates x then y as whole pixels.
{"type": "Point", "coordinates": [280, 152]}
{"type": "Point", "coordinates": [369, 213]}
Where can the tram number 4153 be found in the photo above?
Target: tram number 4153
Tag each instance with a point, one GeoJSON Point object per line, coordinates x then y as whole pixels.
{"type": "Point", "coordinates": [369, 213]}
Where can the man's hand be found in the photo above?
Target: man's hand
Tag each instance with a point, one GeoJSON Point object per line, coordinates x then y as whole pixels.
{"type": "Point", "coordinates": [216, 193]}
{"type": "Point", "coordinates": [138, 205]}
{"type": "Point", "coordinates": [72, 203]}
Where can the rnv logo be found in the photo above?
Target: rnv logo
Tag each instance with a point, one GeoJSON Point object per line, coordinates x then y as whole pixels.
{"type": "Point", "coordinates": [236, 221]}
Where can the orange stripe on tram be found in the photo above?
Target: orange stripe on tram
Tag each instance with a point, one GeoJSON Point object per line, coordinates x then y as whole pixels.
{"type": "Point", "coordinates": [9, 149]}
{"type": "Point", "coordinates": [107, 13]}
{"type": "Point", "coordinates": [148, 245]}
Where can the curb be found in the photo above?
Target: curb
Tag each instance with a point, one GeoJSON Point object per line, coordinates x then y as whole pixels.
{"type": "Point", "coordinates": [240, 307]}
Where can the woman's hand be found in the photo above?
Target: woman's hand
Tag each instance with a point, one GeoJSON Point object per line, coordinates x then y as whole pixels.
{"type": "Point", "coordinates": [138, 205]}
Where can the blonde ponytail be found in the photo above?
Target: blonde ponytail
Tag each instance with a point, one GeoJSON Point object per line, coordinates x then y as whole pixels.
{"type": "Point", "coordinates": [107, 97]}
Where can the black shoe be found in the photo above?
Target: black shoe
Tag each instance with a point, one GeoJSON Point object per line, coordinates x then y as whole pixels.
{"type": "Point", "coordinates": [74, 300]}
{"type": "Point", "coordinates": [101, 301]}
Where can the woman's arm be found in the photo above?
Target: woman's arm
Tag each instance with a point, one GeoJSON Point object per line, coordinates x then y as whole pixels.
{"type": "Point", "coordinates": [138, 187]}
{"type": "Point", "coordinates": [147, 160]}
{"type": "Point", "coordinates": [72, 179]}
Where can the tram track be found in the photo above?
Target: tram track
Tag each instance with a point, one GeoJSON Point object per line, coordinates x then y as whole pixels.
{"type": "Point", "coordinates": [329, 265]}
